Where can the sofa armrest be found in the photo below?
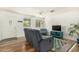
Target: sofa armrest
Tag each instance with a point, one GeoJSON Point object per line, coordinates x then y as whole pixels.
{"type": "Point", "coordinates": [46, 37]}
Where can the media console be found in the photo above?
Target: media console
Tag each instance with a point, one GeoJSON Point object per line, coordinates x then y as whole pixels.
{"type": "Point", "coordinates": [57, 34]}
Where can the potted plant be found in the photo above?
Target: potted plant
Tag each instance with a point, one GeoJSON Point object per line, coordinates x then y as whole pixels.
{"type": "Point", "coordinates": [74, 30]}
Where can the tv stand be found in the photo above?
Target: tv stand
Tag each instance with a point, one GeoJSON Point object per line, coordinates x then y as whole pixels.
{"type": "Point", "coordinates": [57, 34]}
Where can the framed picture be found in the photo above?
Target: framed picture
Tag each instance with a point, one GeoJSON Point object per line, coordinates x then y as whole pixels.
{"type": "Point", "coordinates": [27, 22]}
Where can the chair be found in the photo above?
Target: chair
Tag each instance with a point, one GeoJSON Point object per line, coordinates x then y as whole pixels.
{"type": "Point", "coordinates": [44, 31]}
{"type": "Point", "coordinates": [42, 43]}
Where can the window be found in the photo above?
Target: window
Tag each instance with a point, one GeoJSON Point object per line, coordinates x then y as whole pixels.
{"type": "Point", "coordinates": [27, 23]}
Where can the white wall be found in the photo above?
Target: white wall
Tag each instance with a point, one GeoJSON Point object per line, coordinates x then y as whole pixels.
{"type": "Point", "coordinates": [64, 19]}
{"type": "Point", "coordinates": [9, 26]}
{"type": "Point", "coordinates": [0, 30]}
{"type": "Point", "coordinates": [14, 29]}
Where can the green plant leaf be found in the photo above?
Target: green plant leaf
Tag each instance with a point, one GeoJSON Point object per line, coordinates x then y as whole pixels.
{"type": "Point", "coordinates": [74, 28]}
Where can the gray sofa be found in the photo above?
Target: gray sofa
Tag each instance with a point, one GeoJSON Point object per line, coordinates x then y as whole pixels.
{"type": "Point", "coordinates": [42, 43]}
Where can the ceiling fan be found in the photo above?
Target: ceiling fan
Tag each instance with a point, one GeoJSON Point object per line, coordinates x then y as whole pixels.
{"type": "Point", "coordinates": [42, 12]}
{"type": "Point", "coordinates": [52, 11]}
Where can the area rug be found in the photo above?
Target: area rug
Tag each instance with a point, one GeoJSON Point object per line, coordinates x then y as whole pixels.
{"type": "Point", "coordinates": [67, 45]}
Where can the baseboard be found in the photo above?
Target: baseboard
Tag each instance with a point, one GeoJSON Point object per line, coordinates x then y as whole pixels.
{"type": "Point", "coordinates": [8, 39]}
{"type": "Point", "coordinates": [11, 38]}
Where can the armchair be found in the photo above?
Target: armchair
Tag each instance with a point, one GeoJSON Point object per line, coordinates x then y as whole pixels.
{"type": "Point", "coordinates": [42, 43]}
{"type": "Point", "coordinates": [44, 31]}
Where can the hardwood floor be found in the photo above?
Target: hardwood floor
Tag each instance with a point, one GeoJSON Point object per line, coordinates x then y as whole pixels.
{"type": "Point", "coordinates": [75, 48]}
{"type": "Point", "coordinates": [20, 45]}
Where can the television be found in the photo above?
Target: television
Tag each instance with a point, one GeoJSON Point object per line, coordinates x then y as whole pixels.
{"type": "Point", "coordinates": [56, 27]}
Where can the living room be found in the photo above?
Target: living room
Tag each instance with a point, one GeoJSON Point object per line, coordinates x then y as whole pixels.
{"type": "Point", "coordinates": [50, 19]}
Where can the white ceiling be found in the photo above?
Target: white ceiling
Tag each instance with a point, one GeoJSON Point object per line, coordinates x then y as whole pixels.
{"type": "Point", "coordinates": [36, 10]}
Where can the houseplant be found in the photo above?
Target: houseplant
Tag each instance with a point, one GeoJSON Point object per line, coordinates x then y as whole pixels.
{"type": "Point", "coordinates": [74, 30]}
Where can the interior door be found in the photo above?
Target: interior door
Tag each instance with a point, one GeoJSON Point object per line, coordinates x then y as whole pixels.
{"type": "Point", "coordinates": [8, 27]}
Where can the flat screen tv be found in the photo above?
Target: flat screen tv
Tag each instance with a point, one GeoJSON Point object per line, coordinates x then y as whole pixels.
{"type": "Point", "coordinates": [56, 27]}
